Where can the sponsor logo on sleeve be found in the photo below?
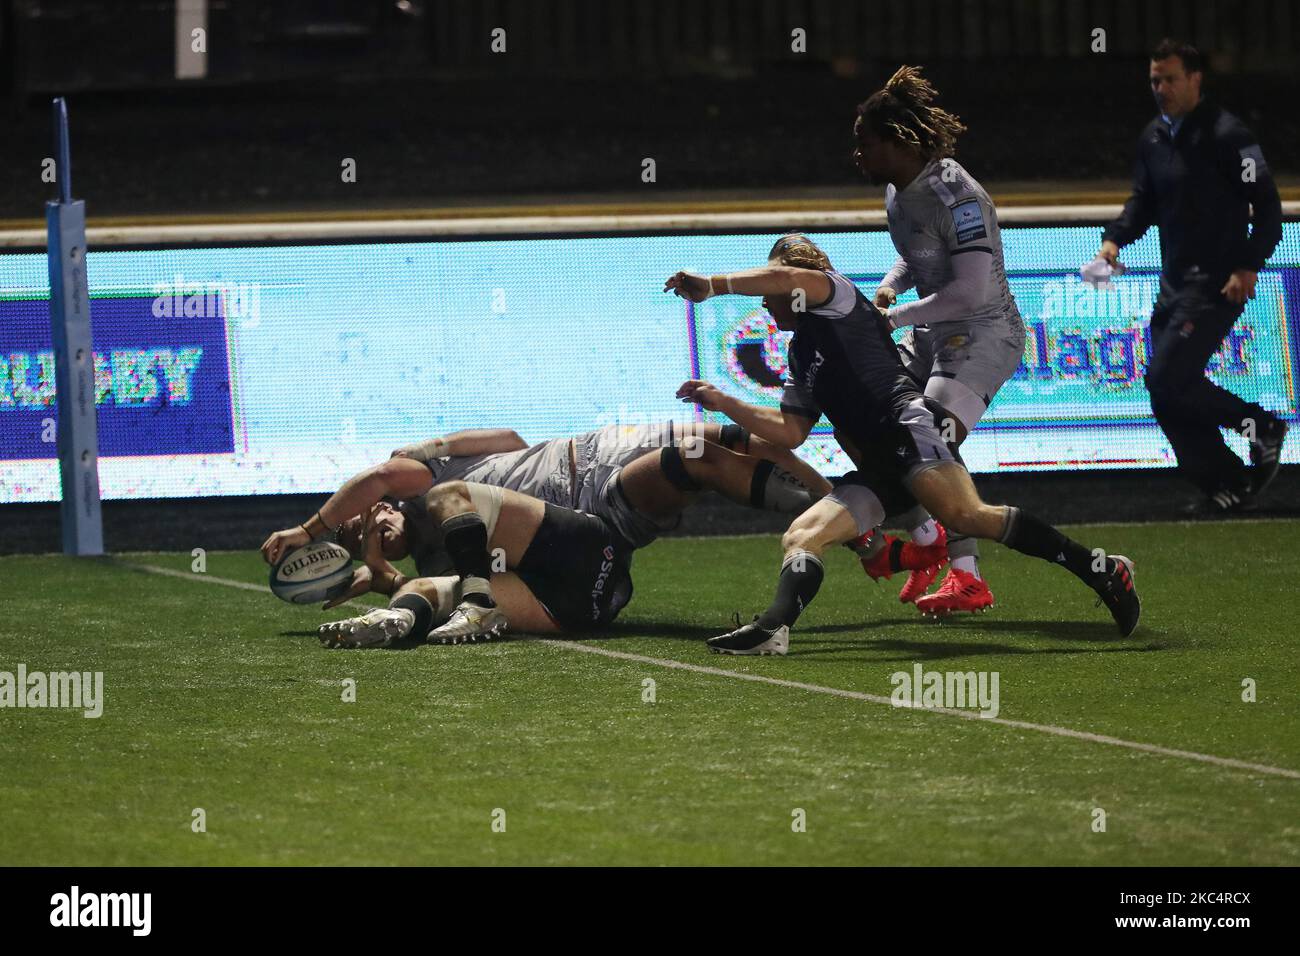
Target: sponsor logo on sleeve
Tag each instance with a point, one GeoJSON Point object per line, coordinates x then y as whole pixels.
{"type": "Point", "coordinates": [968, 220]}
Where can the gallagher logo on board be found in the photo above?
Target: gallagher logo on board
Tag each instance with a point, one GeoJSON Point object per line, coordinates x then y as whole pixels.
{"type": "Point", "coordinates": [162, 384]}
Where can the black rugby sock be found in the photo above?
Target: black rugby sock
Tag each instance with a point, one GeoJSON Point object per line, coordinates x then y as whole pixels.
{"type": "Point", "coordinates": [465, 537]}
{"type": "Point", "coordinates": [1037, 538]}
{"type": "Point", "coordinates": [801, 576]}
{"type": "Point", "coordinates": [422, 610]}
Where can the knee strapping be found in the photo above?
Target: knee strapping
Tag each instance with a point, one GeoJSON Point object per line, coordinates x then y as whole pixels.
{"type": "Point", "coordinates": [734, 438]}
{"type": "Point", "coordinates": [674, 469]}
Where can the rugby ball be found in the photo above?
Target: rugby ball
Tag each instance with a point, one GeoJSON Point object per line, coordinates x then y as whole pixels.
{"type": "Point", "coordinates": [311, 574]}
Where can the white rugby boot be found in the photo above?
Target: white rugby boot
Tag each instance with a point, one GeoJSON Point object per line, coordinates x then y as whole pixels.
{"type": "Point", "coordinates": [468, 624]}
{"type": "Point", "coordinates": [377, 628]}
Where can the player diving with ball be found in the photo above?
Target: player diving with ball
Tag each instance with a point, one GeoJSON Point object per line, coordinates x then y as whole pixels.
{"type": "Point", "coordinates": [843, 363]}
{"type": "Point", "coordinates": [506, 559]}
{"type": "Point", "coordinates": [557, 522]}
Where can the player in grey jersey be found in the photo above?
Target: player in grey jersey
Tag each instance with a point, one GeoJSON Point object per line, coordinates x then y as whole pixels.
{"type": "Point", "coordinates": [635, 477]}
{"type": "Point", "coordinates": [965, 336]}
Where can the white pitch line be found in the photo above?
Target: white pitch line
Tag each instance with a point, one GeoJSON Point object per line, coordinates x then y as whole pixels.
{"type": "Point", "coordinates": [816, 688]}
{"type": "Point", "coordinates": [224, 582]}
{"type": "Point", "coordinates": [191, 576]}
{"type": "Point", "coordinates": [965, 714]}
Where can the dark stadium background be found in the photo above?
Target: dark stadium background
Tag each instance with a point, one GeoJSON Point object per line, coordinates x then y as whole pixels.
{"type": "Point", "coordinates": [707, 87]}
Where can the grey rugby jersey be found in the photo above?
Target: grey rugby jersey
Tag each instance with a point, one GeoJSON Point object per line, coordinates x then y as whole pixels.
{"type": "Point", "coordinates": [941, 214]}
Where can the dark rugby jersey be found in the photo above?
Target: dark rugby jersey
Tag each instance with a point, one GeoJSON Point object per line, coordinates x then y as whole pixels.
{"type": "Point", "coordinates": [844, 365]}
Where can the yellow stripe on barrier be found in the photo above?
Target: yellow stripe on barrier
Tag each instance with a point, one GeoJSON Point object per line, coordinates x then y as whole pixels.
{"type": "Point", "coordinates": [739, 215]}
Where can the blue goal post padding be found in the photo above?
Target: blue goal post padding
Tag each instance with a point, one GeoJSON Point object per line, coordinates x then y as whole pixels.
{"type": "Point", "coordinates": [76, 435]}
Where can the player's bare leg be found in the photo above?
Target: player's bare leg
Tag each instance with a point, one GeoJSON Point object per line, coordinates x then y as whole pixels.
{"type": "Point", "coordinates": [755, 478]}
{"type": "Point", "coordinates": [827, 523]}
{"type": "Point", "coordinates": [649, 491]}
{"type": "Point", "coordinates": [458, 509]}
{"type": "Point", "coordinates": [661, 483]}
{"type": "Point", "coordinates": [740, 441]}
{"type": "Point", "coordinates": [947, 492]}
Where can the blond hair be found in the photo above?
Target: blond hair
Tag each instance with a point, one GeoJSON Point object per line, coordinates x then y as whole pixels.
{"type": "Point", "coordinates": [800, 252]}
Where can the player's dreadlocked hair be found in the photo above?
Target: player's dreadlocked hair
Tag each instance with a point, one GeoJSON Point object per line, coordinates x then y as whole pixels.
{"type": "Point", "coordinates": [800, 252]}
{"type": "Point", "coordinates": [904, 110]}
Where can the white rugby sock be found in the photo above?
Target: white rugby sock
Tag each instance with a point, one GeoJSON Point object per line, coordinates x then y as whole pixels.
{"type": "Point", "coordinates": [927, 533]}
{"type": "Point", "coordinates": [967, 563]}
{"type": "Point", "coordinates": [476, 590]}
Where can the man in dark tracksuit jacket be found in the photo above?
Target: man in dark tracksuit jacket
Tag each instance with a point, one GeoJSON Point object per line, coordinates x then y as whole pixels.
{"type": "Point", "coordinates": [1199, 175]}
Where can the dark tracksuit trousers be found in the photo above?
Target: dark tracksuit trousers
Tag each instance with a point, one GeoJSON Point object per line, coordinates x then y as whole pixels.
{"type": "Point", "coordinates": [1188, 326]}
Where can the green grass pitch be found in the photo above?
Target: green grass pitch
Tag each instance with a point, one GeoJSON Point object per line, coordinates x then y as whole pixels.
{"type": "Point", "coordinates": [221, 699]}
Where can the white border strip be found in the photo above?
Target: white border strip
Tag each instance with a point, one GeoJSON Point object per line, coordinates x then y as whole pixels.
{"type": "Point", "coordinates": [813, 688]}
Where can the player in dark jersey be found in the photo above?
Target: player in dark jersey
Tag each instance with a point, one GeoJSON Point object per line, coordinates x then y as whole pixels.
{"type": "Point", "coordinates": [843, 364]}
{"type": "Point", "coordinates": [514, 560]}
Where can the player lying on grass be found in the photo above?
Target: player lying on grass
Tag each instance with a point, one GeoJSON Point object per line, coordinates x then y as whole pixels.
{"type": "Point", "coordinates": [843, 363]}
{"type": "Point", "coordinates": [555, 569]}
{"type": "Point", "coordinates": [639, 478]}
{"type": "Point", "coordinates": [633, 503]}
{"type": "Point", "coordinates": [966, 337]}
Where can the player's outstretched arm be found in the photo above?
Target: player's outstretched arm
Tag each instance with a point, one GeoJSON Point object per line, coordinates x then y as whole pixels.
{"type": "Point", "coordinates": [397, 477]}
{"type": "Point", "coordinates": [899, 277]}
{"type": "Point", "coordinates": [770, 424]}
{"type": "Point", "coordinates": [469, 441]}
{"type": "Point", "coordinates": [765, 280]}
{"type": "Point", "coordinates": [897, 280]}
